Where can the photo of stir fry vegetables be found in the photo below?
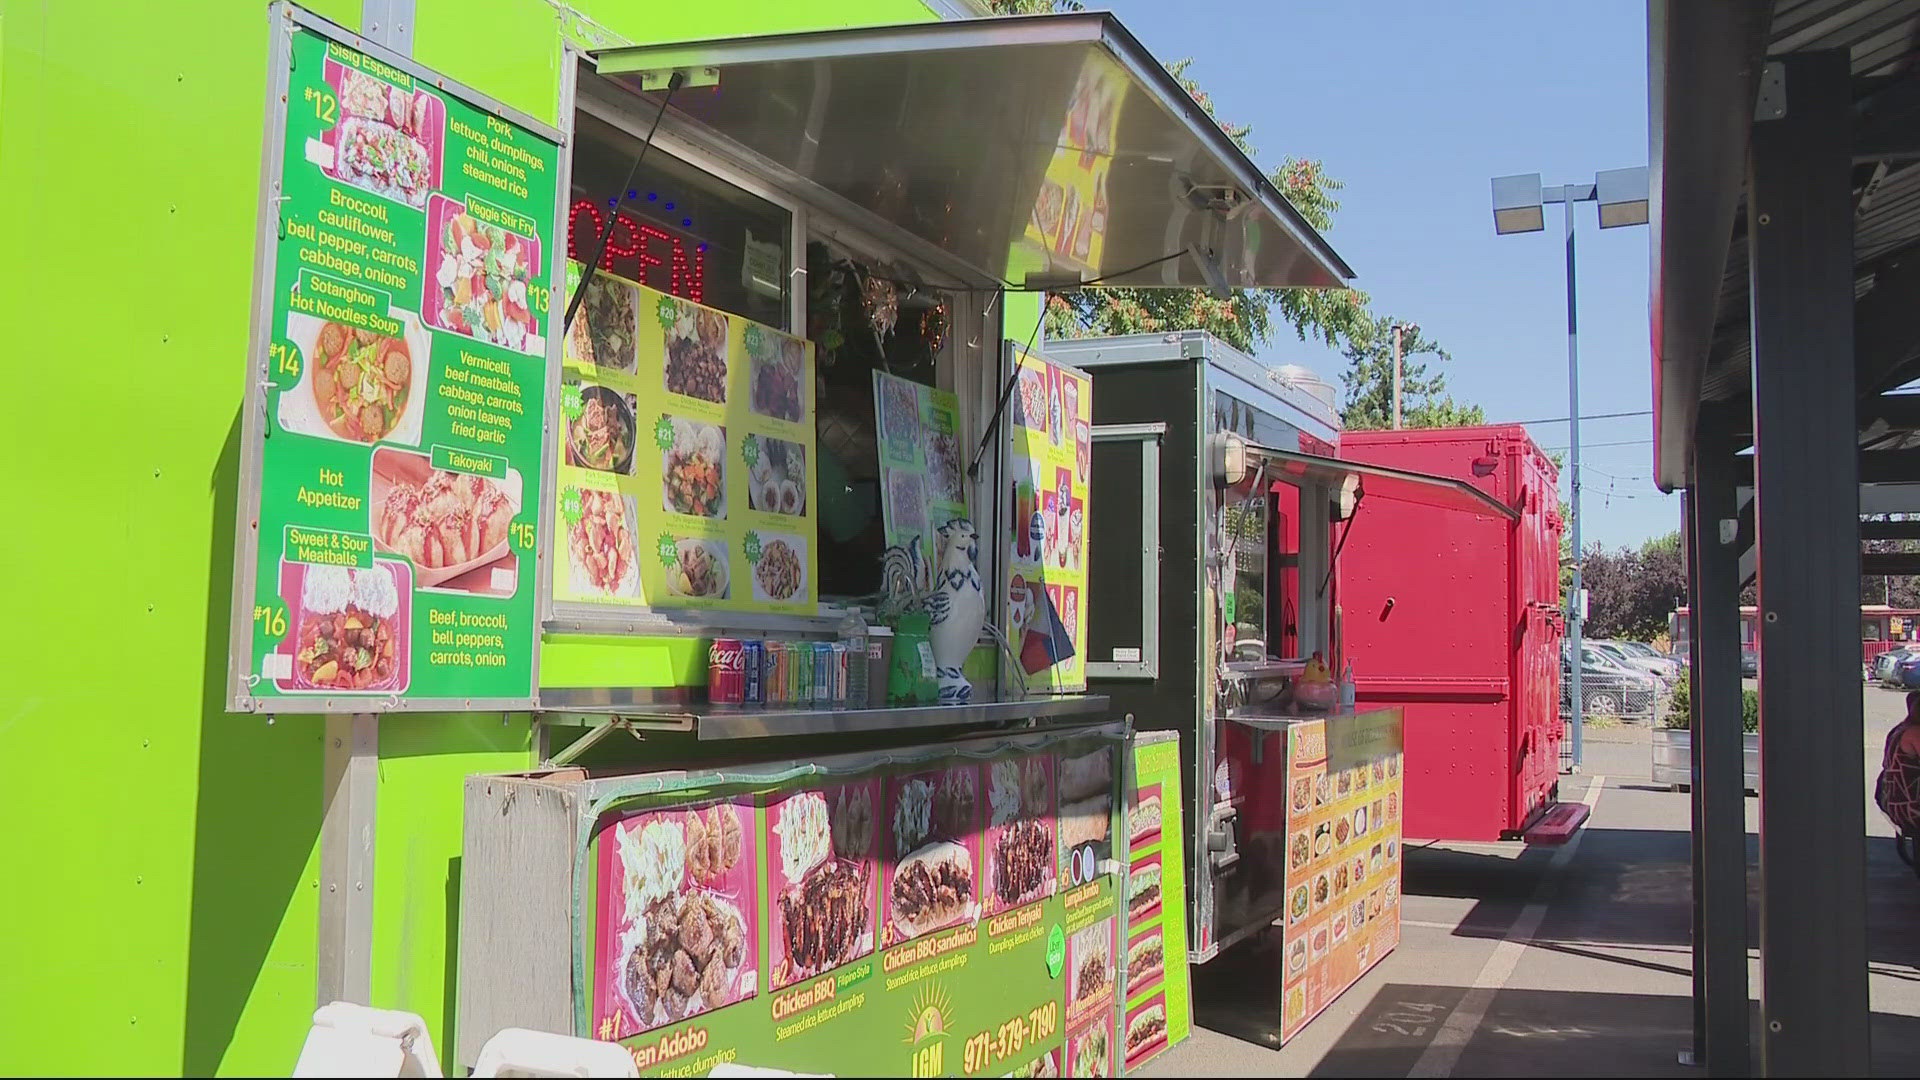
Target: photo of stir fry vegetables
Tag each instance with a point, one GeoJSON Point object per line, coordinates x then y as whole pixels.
{"type": "Point", "coordinates": [360, 381]}
{"type": "Point", "coordinates": [482, 271]}
{"type": "Point", "coordinates": [693, 475]}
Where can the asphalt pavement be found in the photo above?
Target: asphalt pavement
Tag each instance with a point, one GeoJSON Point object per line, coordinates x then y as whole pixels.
{"type": "Point", "coordinates": [1569, 961]}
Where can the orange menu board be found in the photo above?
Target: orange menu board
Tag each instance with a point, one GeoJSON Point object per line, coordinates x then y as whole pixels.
{"type": "Point", "coordinates": [1343, 857]}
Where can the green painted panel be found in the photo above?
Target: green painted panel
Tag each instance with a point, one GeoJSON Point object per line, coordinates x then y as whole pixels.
{"type": "Point", "coordinates": [568, 660]}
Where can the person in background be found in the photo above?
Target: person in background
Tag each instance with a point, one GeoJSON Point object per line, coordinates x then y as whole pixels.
{"type": "Point", "coordinates": [1897, 792]}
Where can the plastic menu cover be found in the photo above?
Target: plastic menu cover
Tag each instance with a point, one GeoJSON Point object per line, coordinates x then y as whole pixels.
{"type": "Point", "coordinates": [686, 457]}
{"type": "Point", "coordinates": [916, 917]}
{"type": "Point", "coordinates": [394, 420]}
{"type": "Point", "coordinates": [922, 458]}
{"type": "Point", "coordinates": [1051, 417]}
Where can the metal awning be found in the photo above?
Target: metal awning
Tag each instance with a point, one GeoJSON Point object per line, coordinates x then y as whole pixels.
{"type": "Point", "coordinates": [1038, 150]}
{"type": "Point", "coordinates": [1376, 482]}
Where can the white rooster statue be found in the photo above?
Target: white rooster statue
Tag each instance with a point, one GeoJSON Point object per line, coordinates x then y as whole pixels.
{"type": "Point", "coordinates": [958, 606]}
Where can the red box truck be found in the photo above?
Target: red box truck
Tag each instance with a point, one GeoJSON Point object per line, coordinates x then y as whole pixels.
{"type": "Point", "coordinates": [1462, 616]}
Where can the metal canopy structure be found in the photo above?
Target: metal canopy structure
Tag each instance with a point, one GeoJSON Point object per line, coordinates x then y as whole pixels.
{"type": "Point", "coordinates": [1376, 481]}
{"type": "Point", "coordinates": [981, 136]}
{"type": "Point", "coordinates": [1785, 157]}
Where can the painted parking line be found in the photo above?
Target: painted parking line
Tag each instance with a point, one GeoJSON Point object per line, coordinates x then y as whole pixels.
{"type": "Point", "coordinates": [1451, 1039]}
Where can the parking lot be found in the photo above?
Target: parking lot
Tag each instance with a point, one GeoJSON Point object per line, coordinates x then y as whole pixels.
{"type": "Point", "coordinates": [1572, 961]}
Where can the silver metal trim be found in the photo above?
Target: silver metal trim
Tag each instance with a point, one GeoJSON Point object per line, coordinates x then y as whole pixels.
{"type": "Point", "coordinates": [1077, 28]}
{"type": "Point", "coordinates": [344, 967]}
{"type": "Point", "coordinates": [1201, 913]}
{"type": "Point", "coordinates": [389, 22]}
{"type": "Point", "coordinates": [1149, 437]}
{"type": "Point", "coordinates": [579, 708]}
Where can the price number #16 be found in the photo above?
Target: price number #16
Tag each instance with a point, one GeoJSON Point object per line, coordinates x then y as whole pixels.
{"type": "Point", "coordinates": [271, 618]}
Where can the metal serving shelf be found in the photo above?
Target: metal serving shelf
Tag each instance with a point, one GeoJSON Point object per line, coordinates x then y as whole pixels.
{"type": "Point", "coordinates": [719, 724]}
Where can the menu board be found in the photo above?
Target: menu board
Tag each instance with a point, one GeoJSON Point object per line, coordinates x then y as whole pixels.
{"type": "Point", "coordinates": [1069, 218]}
{"type": "Point", "coordinates": [1051, 414]}
{"type": "Point", "coordinates": [1159, 1008]}
{"type": "Point", "coordinates": [395, 414]}
{"type": "Point", "coordinates": [686, 457]}
{"type": "Point", "coordinates": [946, 915]}
{"type": "Point", "coordinates": [1343, 858]}
{"type": "Point", "coordinates": [921, 461]}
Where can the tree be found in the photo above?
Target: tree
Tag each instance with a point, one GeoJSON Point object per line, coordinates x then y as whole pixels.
{"type": "Point", "coordinates": [1630, 593]}
{"type": "Point", "coordinates": [1424, 401]}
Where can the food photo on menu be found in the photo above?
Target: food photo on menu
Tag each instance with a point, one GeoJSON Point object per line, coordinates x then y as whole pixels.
{"type": "Point", "coordinates": [1147, 1028]}
{"type": "Point", "coordinates": [780, 573]}
{"type": "Point", "coordinates": [357, 386]}
{"type": "Point", "coordinates": [1090, 965]}
{"type": "Point", "coordinates": [1046, 1065]}
{"type": "Point", "coordinates": [602, 551]}
{"type": "Point", "coordinates": [823, 848]}
{"type": "Point", "coordinates": [702, 569]}
{"type": "Point", "coordinates": [605, 331]}
{"type": "Point", "coordinates": [481, 271]}
{"type": "Point", "coordinates": [1143, 888]}
{"type": "Point", "coordinates": [601, 431]}
{"type": "Point", "coordinates": [1146, 960]}
{"type": "Point", "coordinates": [349, 628]}
{"type": "Point", "coordinates": [452, 526]}
{"type": "Point", "coordinates": [677, 925]}
{"type": "Point", "coordinates": [696, 347]}
{"type": "Point", "coordinates": [1092, 1050]}
{"type": "Point", "coordinates": [387, 139]}
{"type": "Point", "coordinates": [777, 479]}
{"type": "Point", "coordinates": [1086, 803]}
{"type": "Point", "coordinates": [1143, 821]}
{"type": "Point", "coordinates": [933, 819]}
{"type": "Point", "coordinates": [778, 379]}
{"type": "Point", "coordinates": [693, 469]}
{"type": "Point", "coordinates": [1020, 840]}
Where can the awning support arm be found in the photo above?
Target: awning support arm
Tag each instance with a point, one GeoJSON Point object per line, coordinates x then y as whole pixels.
{"type": "Point", "coordinates": [606, 235]}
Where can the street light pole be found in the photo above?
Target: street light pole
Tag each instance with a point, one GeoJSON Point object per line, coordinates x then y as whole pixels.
{"type": "Point", "coordinates": [1518, 205]}
{"type": "Point", "coordinates": [1397, 327]}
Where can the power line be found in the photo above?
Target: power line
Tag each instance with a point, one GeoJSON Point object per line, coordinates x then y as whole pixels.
{"type": "Point", "coordinates": [1589, 416]}
{"type": "Point", "coordinates": [1597, 445]}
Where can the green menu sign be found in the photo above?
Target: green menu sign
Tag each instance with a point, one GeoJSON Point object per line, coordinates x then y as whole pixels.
{"type": "Point", "coordinates": [390, 492]}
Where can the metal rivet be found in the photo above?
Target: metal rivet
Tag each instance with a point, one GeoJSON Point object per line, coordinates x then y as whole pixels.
{"type": "Point", "coordinates": [1766, 219]}
{"type": "Point", "coordinates": [1773, 1026]}
{"type": "Point", "coordinates": [1773, 616]}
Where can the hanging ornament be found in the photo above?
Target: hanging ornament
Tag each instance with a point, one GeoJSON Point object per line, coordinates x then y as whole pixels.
{"type": "Point", "coordinates": [883, 304]}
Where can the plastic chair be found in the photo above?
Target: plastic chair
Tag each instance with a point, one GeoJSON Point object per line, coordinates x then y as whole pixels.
{"type": "Point", "coordinates": [354, 1040]}
{"type": "Point", "coordinates": [518, 1052]}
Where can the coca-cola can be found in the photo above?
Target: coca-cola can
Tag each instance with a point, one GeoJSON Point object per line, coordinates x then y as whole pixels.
{"type": "Point", "coordinates": [753, 673]}
{"type": "Point", "coordinates": [726, 677]}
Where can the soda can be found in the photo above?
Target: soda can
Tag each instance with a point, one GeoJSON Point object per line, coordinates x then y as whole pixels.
{"type": "Point", "coordinates": [839, 675]}
{"type": "Point", "coordinates": [776, 677]}
{"type": "Point", "coordinates": [725, 675]}
{"type": "Point", "coordinates": [753, 671]}
{"type": "Point", "coordinates": [800, 674]}
{"type": "Point", "coordinates": [822, 673]}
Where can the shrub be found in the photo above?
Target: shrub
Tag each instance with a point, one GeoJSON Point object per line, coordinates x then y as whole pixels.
{"type": "Point", "coordinates": [1680, 709]}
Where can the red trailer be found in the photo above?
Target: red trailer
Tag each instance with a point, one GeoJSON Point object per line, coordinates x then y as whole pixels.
{"type": "Point", "coordinates": [1462, 617]}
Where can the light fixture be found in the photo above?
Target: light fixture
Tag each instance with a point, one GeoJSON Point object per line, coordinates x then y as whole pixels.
{"type": "Point", "coordinates": [1516, 204]}
{"type": "Point", "coordinates": [1622, 195]}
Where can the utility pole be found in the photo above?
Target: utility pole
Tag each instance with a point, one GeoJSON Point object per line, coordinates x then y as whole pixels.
{"type": "Point", "coordinates": [1398, 329]}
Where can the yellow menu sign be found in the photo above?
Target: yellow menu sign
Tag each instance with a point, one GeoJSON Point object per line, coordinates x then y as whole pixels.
{"type": "Point", "coordinates": [686, 464]}
{"type": "Point", "coordinates": [1069, 218]}
{"type": "Point", "coordinates": [1046, 583]}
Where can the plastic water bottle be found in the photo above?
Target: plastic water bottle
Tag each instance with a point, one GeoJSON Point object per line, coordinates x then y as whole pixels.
{"type": "Point", "coordinates": [1346, 688]}
{"type": "Point", "coordinates": [853, 634]}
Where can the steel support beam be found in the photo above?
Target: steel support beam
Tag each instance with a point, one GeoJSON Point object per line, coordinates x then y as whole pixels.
{"type": "Point", "coordinates": [1696, 1054]}
{"type": "Point", "coordinates": [1813, 940]}
{"type": "Point", "coordinates": [1890, 530]}
{"type": "Point", "coordinates": [1719, 786]}
{"type": "Point", "coordinates": [351, 759]}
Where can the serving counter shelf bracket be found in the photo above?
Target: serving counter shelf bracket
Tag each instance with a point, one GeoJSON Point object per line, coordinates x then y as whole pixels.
{"type": "Point", "coordinates": [719, 724]}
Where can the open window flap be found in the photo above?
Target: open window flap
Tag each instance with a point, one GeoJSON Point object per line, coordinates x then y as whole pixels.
{"type": "Point", "coordinates": [1039, 150]}
{"type": "Point", "coordinates": [1375, 482]}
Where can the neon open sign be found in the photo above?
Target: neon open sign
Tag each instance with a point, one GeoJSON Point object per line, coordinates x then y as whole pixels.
{"type": "Point", "coordinates": [658, 253]}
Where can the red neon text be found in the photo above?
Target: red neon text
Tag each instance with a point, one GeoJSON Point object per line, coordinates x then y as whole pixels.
{"type": "Point", "coordinates": [649, 246]}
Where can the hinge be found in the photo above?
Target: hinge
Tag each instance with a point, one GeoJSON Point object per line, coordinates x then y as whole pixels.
{"type": "Point", "coordinates": [1771, 103]}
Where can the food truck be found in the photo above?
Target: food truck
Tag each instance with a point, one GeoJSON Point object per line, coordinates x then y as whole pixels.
{"type": "Point", "coordinates": [465, 714]}
{"type": "Point", "coordinates": [1221, 514]}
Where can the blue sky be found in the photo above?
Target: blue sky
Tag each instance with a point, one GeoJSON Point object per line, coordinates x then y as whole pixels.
{"type": "Point", "coordinates": [1416, 106]}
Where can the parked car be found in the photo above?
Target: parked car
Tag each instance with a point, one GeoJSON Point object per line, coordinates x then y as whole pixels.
{"type": "Point", "coordinates": [1905, 673]}
{"type": "Point", "coordinates": [1608, 687]}
{"type": "Point", "coordinates": [1881, 670]}
{"type": "Point", "coordinates": [1650, 662]}
{"type": "Point", "coordinates": [1648, 651]}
